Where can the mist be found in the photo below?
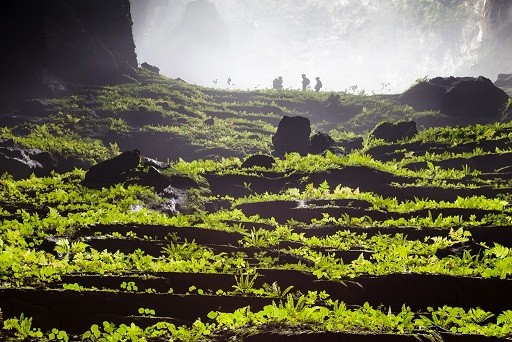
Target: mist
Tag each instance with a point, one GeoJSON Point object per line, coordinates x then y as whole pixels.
{"type": "Point", "coordinates": [352, 45]}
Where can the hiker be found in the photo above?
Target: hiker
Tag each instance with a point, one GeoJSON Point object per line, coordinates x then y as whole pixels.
{"type": "Point", "coordinates": [278, 83]}
{"type": "Point", "coordinates": [318, 84]}
{"type": "Point", "coordinates": [305, 82]}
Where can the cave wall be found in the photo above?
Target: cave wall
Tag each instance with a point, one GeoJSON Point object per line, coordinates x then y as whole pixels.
{"type": "Point", "coordinates": [49, 44]}
{"type": "Point", "coordinates": [496, 45]}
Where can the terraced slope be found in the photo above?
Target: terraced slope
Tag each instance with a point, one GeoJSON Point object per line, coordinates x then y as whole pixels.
{"type": "Point", "coordinates": [393, 241]}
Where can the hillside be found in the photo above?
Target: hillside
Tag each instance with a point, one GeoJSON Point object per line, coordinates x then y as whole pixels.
{"type": "Point", "coordinates": [179, 239]}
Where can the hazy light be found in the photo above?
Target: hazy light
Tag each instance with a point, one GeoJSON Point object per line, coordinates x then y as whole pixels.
{"type": "Point", "coordinates": [368, 44]}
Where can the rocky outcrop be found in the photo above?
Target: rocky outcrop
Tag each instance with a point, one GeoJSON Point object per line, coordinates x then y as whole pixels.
{"type": "Point", "coordinates": [471, 100]}
{"type": "Point", "coordinates": [48, 44]}
{"type": "Point", "coordinates": [112, 170]}
{"type": "Point", "coordinates": [292, 135]}
{"type": "Point", "coordinates": [504, 81]}
{"type": "Point", "coordinates": [20, 163]}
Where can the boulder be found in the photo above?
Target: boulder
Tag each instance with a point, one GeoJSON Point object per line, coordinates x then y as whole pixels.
{"type": "Point", "coordinates": [260, 160]}
{"type": "Point", "coordinates": [292, 135]}
{"type": "Point", "coordinates": [394, 132]}
{"type": "Point", "coordinates": [109, 171]}
{"type": "Point", "coordinates": [320, 142]}
{"type": "Point", "coordinates": [473, 100]}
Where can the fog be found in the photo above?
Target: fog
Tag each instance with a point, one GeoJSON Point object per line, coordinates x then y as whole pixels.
{"type": "Point", "coordinates": [352, 45]}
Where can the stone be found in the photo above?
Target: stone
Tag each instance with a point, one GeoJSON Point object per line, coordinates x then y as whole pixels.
{"type": "Point", "coordinates": [259, 160]}
{"type": "Point", "coordinates": [109, 171]}
{"type": "Point", "coordinates": [394, 132]}
{"type": "Point", "coordinates": [292, 135]}
{"type": "Point", "coordinates": [473, 100]}
{"type": "Point", "coordinates": [320, 142]}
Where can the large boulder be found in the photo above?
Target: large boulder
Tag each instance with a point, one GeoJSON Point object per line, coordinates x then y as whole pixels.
{"type": "Point", "coordinates": [392, 132]}
{"type": "Point", "coordinates": [110, 171]}
{"type": "Point", "coordinates": [471, 100]}
{"type": "Point", "coordinates": [292, 135]}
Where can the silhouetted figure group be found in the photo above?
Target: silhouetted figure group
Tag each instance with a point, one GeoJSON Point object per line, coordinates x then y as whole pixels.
{"type": "Point", "coordinates": [278, 83]}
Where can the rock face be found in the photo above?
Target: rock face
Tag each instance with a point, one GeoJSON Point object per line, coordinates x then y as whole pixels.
{"type": "Point", "coordinates": [497, 34]}
{"type": "Point", "coordinates": [504, 81]}
{"type": "Point", "coordinates": [394, 132]}
{"type": "Point", "coordinates": [472, 100]}
{"type": "Point", "coordinates": [47, 44]}
{"type": "Point", "coordinates": [292, 135]}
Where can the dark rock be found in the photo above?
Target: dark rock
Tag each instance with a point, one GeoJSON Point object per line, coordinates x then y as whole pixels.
{"type": "Point", "coordinates": [292, 135]}
{"type": "Point", "coordinates": [320, 142]}
{"type": "Point", "coordinates": [209, 122]}
{"type": "Point", "coordinates": [109, 171]}
{"type": "Point", "coordinates": [504, 81]}
{"type": "Point", "coordinates": [157, 180]}
{"type": "Point", "coordinates": [165, 105]}
{"type": "Point", "coordinates": [177, 201]}
{"type": "Point", "coordinates": [48, 163]}
{"type": "Point", "coordinates": [17, 163]}
{"type": "Point", "coordinates": [12, 121]}
{"type": "Point", "coordinates": [150, 67]}
{"type": "Point", "coordinates": [260, 160]}
{"type": "Point", "coordinates": [394, 132]}
{"type": "Point", "coordinates": [7, 142]}
{"type": "Point", "coordinates": [352, 144]}
{"type": "Point", "coordinates": [36, 107]}
{"type": "Point", "coordinates": [475, 100]}
{"type": "Point", "coordinates": [217, 205]}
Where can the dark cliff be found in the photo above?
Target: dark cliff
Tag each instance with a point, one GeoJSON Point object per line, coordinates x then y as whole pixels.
{"type": "Point", "coordinates": [49, 44]}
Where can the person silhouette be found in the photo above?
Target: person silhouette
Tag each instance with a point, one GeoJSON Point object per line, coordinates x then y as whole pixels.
{"type": "Point", "coordinates": [318, 84]}
{"type": "Point", "coordinates": [305, 82]}
{"type": "Point", "coordinates": [278, 83]}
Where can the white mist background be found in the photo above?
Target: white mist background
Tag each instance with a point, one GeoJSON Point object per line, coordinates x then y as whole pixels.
{"type": "Point", "coordinates": [380, 46]}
